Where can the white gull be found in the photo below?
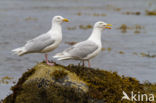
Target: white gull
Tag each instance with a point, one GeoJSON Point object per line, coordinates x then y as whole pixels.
{"type": "Point", "coordinates": [45, 42]}
{"type": "Point", "coordinates": [87, 49]}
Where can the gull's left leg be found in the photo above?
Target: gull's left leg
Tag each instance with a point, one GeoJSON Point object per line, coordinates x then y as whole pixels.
{"type": "Point", "coordinates": [46, 58]}
{"type": "Point", "coordinates": [89, 64]}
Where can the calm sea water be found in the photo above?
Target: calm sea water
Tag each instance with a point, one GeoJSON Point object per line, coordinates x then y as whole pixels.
{"type": "Point", "coordinates": [21, 20]}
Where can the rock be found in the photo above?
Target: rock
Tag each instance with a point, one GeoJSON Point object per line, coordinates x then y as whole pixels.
{"type": "Point", "coordinates": [71, 84]}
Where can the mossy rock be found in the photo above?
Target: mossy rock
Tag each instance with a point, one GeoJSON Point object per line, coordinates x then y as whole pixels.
{"type": "Point", "coordinates": [72, 84]}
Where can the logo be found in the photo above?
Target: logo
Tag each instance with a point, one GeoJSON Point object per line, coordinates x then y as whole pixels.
{"type": "Point", "coordinates": [138, 97]}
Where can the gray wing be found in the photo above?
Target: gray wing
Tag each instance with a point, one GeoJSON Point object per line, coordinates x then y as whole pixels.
{"type": "Point", "coordinates": [39, 43]}
{"type": "Point", "coordinates": [82, 49]}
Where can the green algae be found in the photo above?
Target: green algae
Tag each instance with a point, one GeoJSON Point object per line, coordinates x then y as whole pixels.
{"type": "Point", "coordinates": [73, 84]}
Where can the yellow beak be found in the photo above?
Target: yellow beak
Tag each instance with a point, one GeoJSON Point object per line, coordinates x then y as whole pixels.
{"type": "Point", "coordinates": [66, 20]}
{"type": "Point", "coordinates": [107, 26]}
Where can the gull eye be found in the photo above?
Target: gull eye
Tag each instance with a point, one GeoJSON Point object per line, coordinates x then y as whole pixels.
{"type": "Point", "coordinates": [58, 18]}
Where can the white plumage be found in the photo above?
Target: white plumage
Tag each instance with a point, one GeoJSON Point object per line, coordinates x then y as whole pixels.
{"type": "Point", "coordinates": [87, 49]}
{"type": "Point", "coordinates": [45, 42]}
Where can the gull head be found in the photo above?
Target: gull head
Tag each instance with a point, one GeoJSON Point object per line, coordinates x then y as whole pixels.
{"type": "Point", "coordinates": [59, 19]}
{"type": "Point", "coordinates": [102, 25]}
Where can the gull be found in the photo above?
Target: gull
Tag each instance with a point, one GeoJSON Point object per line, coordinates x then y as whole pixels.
{"type": "Point", "coordinates": [85, 50]}
{"type": "Point", "coordinates": [46, 42]}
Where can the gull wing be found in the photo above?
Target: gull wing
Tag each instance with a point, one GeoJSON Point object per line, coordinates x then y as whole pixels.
{"type": "Point", "coordinates": [82, 49]}
{"type": "Point", "coordinates": [39, 43]}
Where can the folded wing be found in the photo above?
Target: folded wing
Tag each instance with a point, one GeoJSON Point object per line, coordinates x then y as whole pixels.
{"type": "Point", "coordinates": [78, 51]}
{"type": "Point", "coordinates": [39, 43]}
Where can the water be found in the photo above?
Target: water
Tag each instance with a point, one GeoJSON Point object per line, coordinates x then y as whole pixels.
{"type": "Point", "coordinates": [21, 20]}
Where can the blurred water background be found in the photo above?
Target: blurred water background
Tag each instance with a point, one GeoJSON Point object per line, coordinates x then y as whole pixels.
{"type": "Point", "coordinates": [128, 49]}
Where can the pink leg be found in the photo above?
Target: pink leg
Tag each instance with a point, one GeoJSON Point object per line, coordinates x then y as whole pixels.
{"type": "Point", "coordinates": [89, 64]}
{"type": "Point", "coordinates": [46, 58]}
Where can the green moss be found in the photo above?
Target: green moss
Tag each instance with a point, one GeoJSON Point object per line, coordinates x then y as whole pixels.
{"type": "Point", "coordinates": [90, 86]}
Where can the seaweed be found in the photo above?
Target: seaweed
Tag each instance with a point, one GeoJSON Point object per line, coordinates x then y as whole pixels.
{"type": "Point", "coordinates": [59, 74]}
{"type": "Point", "coordinates": [18, 87]}
{"type": "Point", "coordinates": [121, 52]}
{"type": "Point", "coordinates": [31, 19]}
{"type": "Point", "coordinates": [150, 13]}
{"type": "Point", "coordinates": [39, 85]}
{"type": "Point", "coordinates": [72, 28]}
{"type": "Point", "coordinates": [70, 42]}
{"type": "Point", "coordinates": [5, 80]}
{"type": "Point", "coordinates": [132, 13]}
{"type": "Point", "coordinates": [147, 55]}
{"type": "Point", "coordinates": [84, 27]}
{"type": "Point", "coordinates": [109, 49]}
{"type": "Point", "coordinates": [123, 28]}
{"type": "Point", "coordinates": [104, 85]}
{"type": "Point", "coordinates": [94, 14]}
{"type": "Point", "coordinates": [136, 28]}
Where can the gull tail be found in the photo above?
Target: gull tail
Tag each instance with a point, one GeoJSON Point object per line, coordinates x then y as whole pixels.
{"type": "Point", "coordinates": [19, 51]}
{"type": "Point", "coordinates": [61, 56]}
